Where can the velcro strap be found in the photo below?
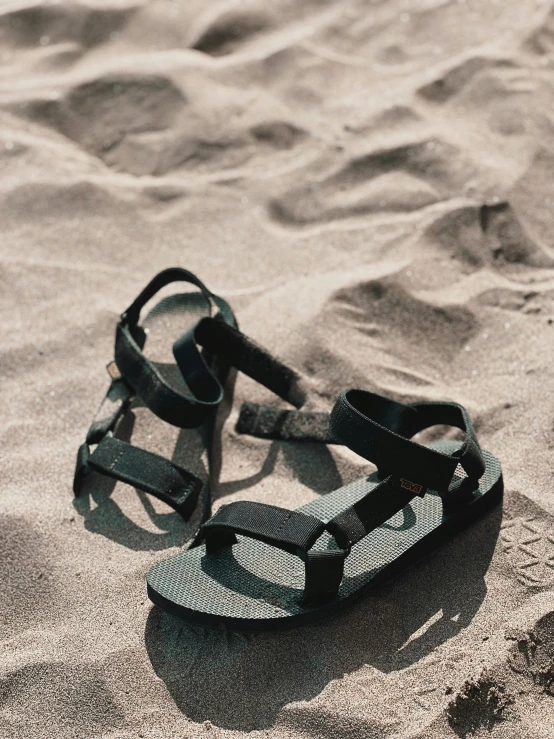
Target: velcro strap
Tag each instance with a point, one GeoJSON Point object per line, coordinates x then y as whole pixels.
{"type": "Point", "coordinates": [371, 511]}
{"type": "Point", "coordinates": [247, 356]}
{"type": "Point", "coordinates": [113, 406]}
{"type": "Point", "coordinates": [288, 530]}
{"type": "Point", "coordinates": [148, 472]}
{"type": "Point", "coordinates": [284, 425]}
{"type": "Point", "coordinates": [376, 428]}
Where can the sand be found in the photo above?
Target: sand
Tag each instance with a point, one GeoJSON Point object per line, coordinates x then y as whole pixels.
{"type": "Point", "coordinates": [371, 185]}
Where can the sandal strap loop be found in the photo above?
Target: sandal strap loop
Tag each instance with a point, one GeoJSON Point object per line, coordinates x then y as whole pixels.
{"type": "Point", "coordinates": [289, 530]}
{"type": "Point", "coordinates": [218, 336]}
{"type": "Point", "coordinates": [431, 413]}
{"type": "Point", "coordinates": [379, 430]}
{"type": "Point", "coordinates": [292, 531]}
{"type": "Point", "coordinates": [182, 409]}
{"type": "Point", "coordinates": [146, 471]}
{"type": "Point", "coordinates": [165, 277]}
{"type": "Point", "coordinates": [133, 374]}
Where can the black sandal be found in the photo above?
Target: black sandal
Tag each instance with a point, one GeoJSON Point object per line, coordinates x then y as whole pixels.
{"type": "Point", "coordinates": [193, 407]}
{"type": "Point", "coordinates": [346, 541]}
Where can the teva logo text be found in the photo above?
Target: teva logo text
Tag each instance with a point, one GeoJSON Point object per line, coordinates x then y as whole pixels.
{"type": "Point", "coordinates": [409, 485]}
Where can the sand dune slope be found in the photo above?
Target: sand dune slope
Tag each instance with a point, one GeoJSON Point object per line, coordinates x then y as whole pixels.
{"type": "Point", "coordinates": [371, 185]}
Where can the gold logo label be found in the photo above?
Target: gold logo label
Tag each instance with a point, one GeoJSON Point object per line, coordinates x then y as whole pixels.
{"type": "Point", "coordinates": [113, 371]}
{"type": "Point", "coordinates": [412, 486]}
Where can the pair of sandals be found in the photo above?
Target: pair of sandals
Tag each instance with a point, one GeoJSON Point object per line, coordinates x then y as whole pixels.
{"type": "Point", "coordinates": [254, 566]}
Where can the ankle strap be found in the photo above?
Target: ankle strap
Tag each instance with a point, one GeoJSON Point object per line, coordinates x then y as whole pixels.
{"type": "Point", "coordinates": [380, 430]}
{"type": "Point", "coordinates": [180, 408]}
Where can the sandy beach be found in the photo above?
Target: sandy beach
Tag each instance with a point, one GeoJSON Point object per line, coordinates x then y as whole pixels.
{"type": "Point", "coordinates": [371, 186]}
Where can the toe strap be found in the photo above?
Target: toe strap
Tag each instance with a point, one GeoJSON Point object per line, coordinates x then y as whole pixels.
{"type": "Point", "coordinates": [291, 531]}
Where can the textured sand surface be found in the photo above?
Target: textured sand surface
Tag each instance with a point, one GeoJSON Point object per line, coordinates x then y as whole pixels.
{"type": "Point", "coordinates": [371, 184]}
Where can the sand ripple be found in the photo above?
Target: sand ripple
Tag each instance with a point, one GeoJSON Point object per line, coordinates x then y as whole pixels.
{"type": "Point", "coordinates": [371, 185]}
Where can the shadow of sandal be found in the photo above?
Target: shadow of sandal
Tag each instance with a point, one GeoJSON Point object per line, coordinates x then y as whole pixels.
{"type": "Point", "coordinates": [312, 465]}
{"type": "Point", "coordinates": [242, 682]}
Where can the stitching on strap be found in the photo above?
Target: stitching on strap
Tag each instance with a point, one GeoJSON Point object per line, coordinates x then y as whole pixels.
{"type": "Point", "coordinates": [117, 459]}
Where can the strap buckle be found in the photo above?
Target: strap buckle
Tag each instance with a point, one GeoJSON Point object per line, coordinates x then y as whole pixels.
{"type": "Point", "coordinates": [113, 407]}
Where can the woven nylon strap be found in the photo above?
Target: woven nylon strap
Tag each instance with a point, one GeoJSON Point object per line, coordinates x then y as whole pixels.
{"type": "Point", "coordinates": [146, 471]}
{"type": "Point", "coordinates": [380, 430]}
{"type": "Point", "coordinates": [132, 374]}
{"type": "Point", "coordinates": [219, 336]}
{"type": "Point", "coordinates": [292, 531]}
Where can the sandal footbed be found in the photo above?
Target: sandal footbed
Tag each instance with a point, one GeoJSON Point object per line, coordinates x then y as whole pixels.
{"type": "Point", "coordinates": [255, 587]}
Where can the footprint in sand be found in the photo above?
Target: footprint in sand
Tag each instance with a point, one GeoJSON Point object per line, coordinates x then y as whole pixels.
{"type": "Point", "coordinates": [226, 32]}
{"type": "Point", "coordinates": [378, 334]}
{"type": "Point", "coordinates": [403, 325]}
{"type": "Point", "coordinates": [76, 694]}
{"type": "Point", "coordinates": [26, 575]}
{"type": "Point", "coordinates": [459, 76]}
{"type": "Point", "coordinates": [492, 235]}
{"type": "Point", "coordinates": [397, 179]}
{"type": "Point", "coordinates": [541, 39]}
{"type": "Point", "coordinates": [53, 23]}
